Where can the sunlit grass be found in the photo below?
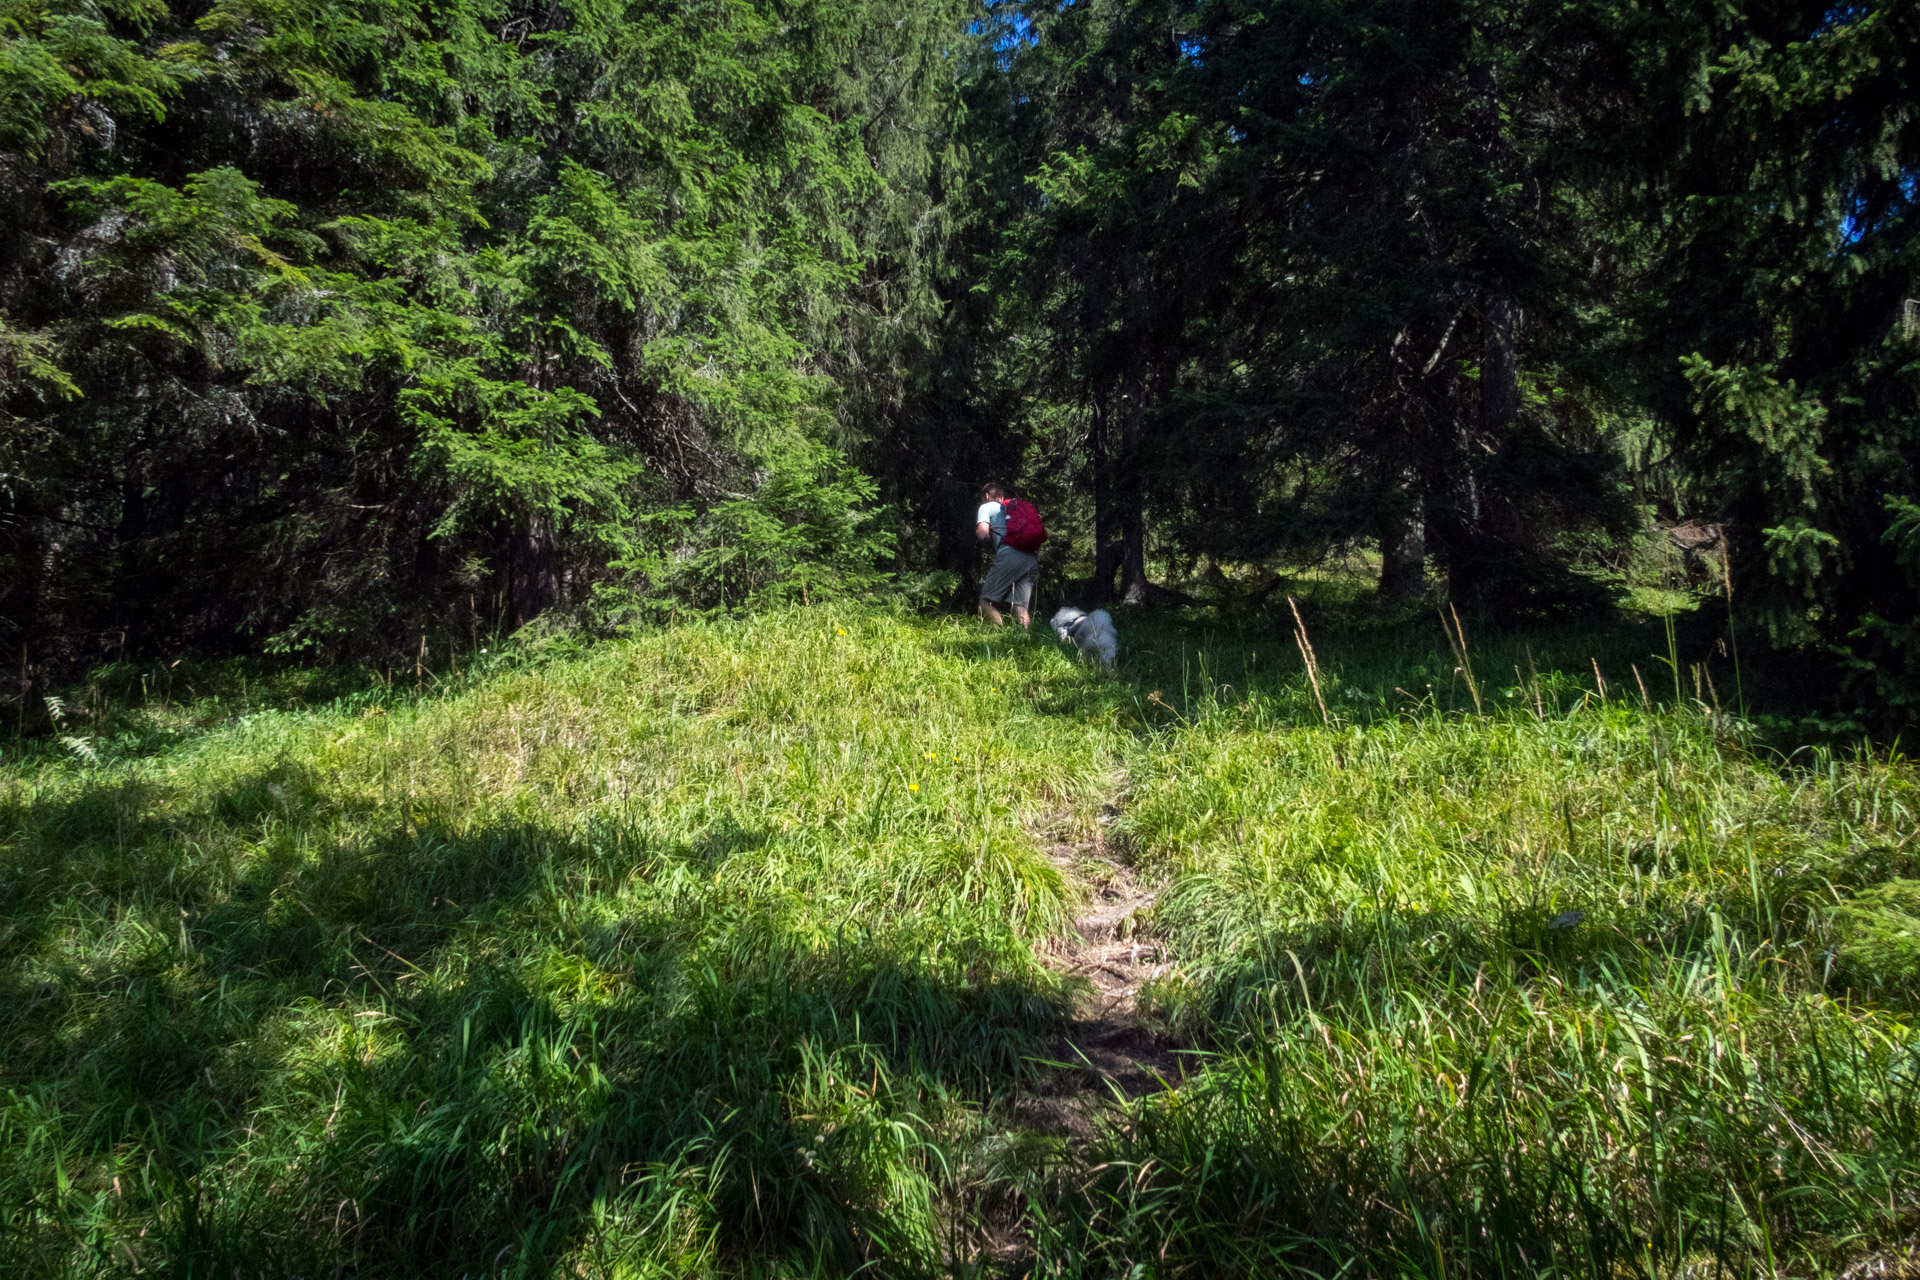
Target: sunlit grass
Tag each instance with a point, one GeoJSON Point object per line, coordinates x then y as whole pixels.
{"type": "Point", "coordinates": [715, 951]}
{"type": "Point", "coordinates": [1557, 987]}
{"type": "Point", "coordinates": [643, 938]}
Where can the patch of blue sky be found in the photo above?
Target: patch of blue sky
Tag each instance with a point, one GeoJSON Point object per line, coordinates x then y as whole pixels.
{"type": "Point", "coordinates": [1862, 220]}
{"type": "Point", "coordinates": [1841, 15]}
{"type": "Point", "coordinates": [1007, 28]}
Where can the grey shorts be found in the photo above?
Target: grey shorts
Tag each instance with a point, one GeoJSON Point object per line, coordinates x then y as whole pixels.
{"type": "Point", "coordinates": [1011, 577]}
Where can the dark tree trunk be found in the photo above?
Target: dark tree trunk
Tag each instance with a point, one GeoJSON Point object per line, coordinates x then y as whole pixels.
{"type": "Point", "coordinates": [1403, 544]}
{"type": "Point", "coordinates": [1105, 541]}
{"type": "Point", "coordinates": [20, 614]}
{"type": "Point", "coordinates": [535, 580]}
{"type": "Point", "coordinates": [1133, 560]}
{"type": "Point", "coordinates": [1478, 549]}
{"type": "Point", "coordinates": [133, 581]}
{"type": "Point", "coordinates": [1472, 534]}
{"type": "Point", "coordinates": [1499, 370]}
{"type": "Point", "coordinates": [26, 687]}
{"type": "Point", "coordinates": [1133, 521]}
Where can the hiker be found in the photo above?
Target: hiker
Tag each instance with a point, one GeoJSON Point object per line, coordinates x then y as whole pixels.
{"type": "Point", "coordinates": [1015, 530]}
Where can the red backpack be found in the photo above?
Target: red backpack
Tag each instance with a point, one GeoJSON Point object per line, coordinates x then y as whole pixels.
{"type": "Point", "coordinates": [1024, 530]}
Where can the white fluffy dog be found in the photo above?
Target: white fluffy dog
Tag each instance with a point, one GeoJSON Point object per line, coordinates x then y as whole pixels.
{"type": "Point", "coordinates": [1091, 632]}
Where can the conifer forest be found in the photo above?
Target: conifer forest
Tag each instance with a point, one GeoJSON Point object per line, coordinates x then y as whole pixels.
{"type": "Point", "coordinates": [501, 772]}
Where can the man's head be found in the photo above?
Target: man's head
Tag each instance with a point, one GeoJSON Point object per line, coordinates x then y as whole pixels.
{"type": "Point", "coordinates": [993, 493]}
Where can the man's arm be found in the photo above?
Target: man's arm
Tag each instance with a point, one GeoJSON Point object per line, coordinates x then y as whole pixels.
{"type": "Point", "coordinates": [983, 531]}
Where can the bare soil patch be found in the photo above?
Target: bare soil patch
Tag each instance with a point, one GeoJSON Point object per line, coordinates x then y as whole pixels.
{"type": "Point", "coordinates": [1111, 1049]}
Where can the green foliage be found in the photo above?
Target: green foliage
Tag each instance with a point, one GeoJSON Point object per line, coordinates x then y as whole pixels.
{"type": "Point", "coordinates": [1886, 643]}
{"type": "Point", "coordinates": [808, 533]}
{"type": "Point", "coordinates": [57, 57]}
{"type": "Point", "coordinates": [1255, 286]}
{"type": "Point", "coordinates": [1880, 938]}
{"type": "Point", "coordinates": [340, 322]}
{"type": "Point", "coordinates": [1300, 277]}
{"type": "Point", "coordinates": [337, 322]}
{"type": "Point", "coordinates": [1797, 411]}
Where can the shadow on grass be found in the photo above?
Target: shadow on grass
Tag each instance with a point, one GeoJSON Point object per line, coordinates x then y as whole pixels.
{"type": "Point", "coordinates": [257, 1041]}
{"type": "Point", "coordinates": [1176, 664]}
{"type": "Point", "coordinates": [1337, 970]}
{"type": "Point", "coordinates": [1426, 1094]}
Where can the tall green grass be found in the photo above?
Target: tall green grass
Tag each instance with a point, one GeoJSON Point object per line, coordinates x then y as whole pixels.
{"type": "Point", "coordinates": [716, 951]}
{"type": "Point", "coordinates": [1566, 987]}
{"type": "Point", "coordinates": [681, 954]}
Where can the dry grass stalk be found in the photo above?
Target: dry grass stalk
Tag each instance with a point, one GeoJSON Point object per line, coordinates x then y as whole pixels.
{"type": "Point", "coordinates": [1306, 655]}
{"type": "Point", "coordinates": [1457, 641]}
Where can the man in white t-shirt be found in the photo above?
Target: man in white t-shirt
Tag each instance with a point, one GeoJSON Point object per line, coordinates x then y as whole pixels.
{"type": "Point", "coordinates": [1010, 578]}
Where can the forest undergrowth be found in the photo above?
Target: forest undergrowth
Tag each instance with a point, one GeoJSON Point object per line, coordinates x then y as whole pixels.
{"type": "Point", "coordinates": [722, 950]}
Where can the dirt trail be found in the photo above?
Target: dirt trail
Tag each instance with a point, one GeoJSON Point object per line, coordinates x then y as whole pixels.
{"type": "Point", "coordinates": [1109, 1046]}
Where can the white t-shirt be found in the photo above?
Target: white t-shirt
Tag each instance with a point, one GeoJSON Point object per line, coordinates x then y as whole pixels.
{"type": "Point", "coordinates": [993, 515]}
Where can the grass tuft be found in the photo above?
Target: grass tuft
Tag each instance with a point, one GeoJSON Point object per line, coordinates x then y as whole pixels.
{"type": "Point", "coordinates": [719, 951]}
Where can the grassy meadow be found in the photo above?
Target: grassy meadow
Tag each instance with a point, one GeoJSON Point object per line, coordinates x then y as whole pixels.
{"type": "Point", "coordinates": [724, 951]}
